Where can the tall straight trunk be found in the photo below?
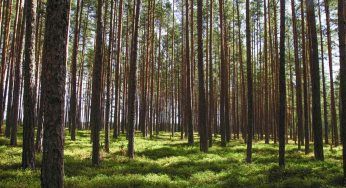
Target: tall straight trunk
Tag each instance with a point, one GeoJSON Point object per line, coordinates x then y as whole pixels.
{"type": "Point", "coordinates": [132, 81]}
{"type": "Point", "coordinates": [5, 43]}
{"type": "Point", "coordinates": [276, 73]}
{"type": "Point", "coordinates": [249, 86]}
{"type": "Point", "coordinates": [298, 78]}
{"type": "Point", "coordinates": [116, 74]}
{"type": "Point", "coordinates": [151, 67]}
{"type": "Point", "coordinates": [125, 77]}
{"type": "Point", "coordinates": [183, 75]}
{"type": "Point", "coordinates": [342, 51]}
{"type": "Point", "coordinates": [192, 65]}
{"type": "Point", "coordinates": [188, 113]}
{"type": "Point", "coordinates": [104, 69]}
{"type": "Point", "coordinates": [201, 91]}
{"type": "Point", "coordinates": [73, 101]}
{"type": "Point", "coordinates": [266, 96]}
{"type": "Point", "coordinates": [173, 77]}
{"type": "Point", "coordinates": [271, 74]}
{"type": "Point", "coordinates": [226, 79]}
{"type": "Point", "coordinates": [96, 111]}
{"type": "Point", "coordinates": [17, 80]}
{"type": "Point", "coordinates": [158, 82]}
{"type": "Point", "coordinates": [39, 116]}
{"type": "Point", "coordinates": [211, 79]}
{"type": "Point", "coordinates": [28, 155]}
{"type": "Point", "coordinates": [144, 81]}
{"type": "Point", "coordinates": [223, 75]}
{"type": "Point", "coordinates": [109, 75]}
{"type": "Point", "coordinates": [243, 97]}
{"type": "Point", "coordinates": [81, 75]}
{"type": "Point", "coordinates": [234, 88]}
{"type": "Point", "coordinates": [16, 29]}
{"type": "Point", "coordinates": [282, 87]}
{"type": "Point", "coordinates": [38, 32]}
{"type": "Point", "coordinates": [315, 82]}
{"type": "Point", "coordinates": [53, 82]}
{"type": "Point", "coordinates": [305, 85]}
{"type": "Point", "coordinates": [325, 109]}
{"type": "Point", "coordinates": [331, 79]}
{"type": "Point", "coordinates": [152, 54]}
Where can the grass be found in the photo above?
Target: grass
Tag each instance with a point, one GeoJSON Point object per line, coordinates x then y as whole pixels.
{"type": "Point", "coordinates": [169, 162]}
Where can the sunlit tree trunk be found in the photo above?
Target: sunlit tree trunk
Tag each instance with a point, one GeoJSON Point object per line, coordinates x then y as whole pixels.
{"type": "Point", "coordinates": [6, 32]}
{"type": "Point", "coordinates": [96, 112]}
{"type": "Point", "coordinates": [28, 154]}
{"type": "Point", "coordinates": [73, 101]}
{"type": "Point", "coordinates": [116, 75]}
{"type": "Point", "coordinates": [17, 80]}
{"type": "Point", "coordinates": [132, 81]}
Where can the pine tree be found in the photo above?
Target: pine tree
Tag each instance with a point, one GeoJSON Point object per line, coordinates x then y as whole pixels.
{"type": "Point", "coordinates": [53, 82]}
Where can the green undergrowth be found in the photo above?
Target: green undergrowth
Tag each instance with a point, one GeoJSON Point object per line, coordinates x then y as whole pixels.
{"type": "Point", "coordinates": [166, 161]}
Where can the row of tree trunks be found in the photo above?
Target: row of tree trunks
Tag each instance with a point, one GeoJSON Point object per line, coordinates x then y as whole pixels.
{"type": "Point", "coordinates": [176, 94]}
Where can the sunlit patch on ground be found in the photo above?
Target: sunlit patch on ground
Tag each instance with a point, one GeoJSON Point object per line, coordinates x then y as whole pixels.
{"type": "Point", "coordinates": [169, 162]}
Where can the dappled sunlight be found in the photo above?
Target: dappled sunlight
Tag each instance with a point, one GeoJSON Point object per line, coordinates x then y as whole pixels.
{"type": "Point", "coordinates": [164, 161]}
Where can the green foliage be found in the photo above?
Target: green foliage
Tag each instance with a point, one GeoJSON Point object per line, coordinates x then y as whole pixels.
{"type": "Point", "coordinates": [169, 162]}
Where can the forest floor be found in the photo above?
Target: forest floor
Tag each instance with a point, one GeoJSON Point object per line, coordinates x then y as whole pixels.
{"type": "Point", "coordinates": [164, 161]}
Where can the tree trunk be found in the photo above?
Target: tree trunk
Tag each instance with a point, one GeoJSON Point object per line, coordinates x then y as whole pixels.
{"type": "Point", "coordinates": [282, 87]}
{"type": "Point", "coordinates": [325, 109]}
{"type": "Point", "coordinates": [201, 91]}
{"type": "Point", "coordinates": [53, 82]}
{"type": "Point", "coordinates": [28, 155]}
{"type": "Point", "coordinates": [73, 101]}
{"type": "Point", "coordinates": [332, 95]}
{"type": "Point", "coordinates": [96, 111]}
{"type": "Point", "coordinates": [298, 78]}
{"type": "Point", "coordinates": [342, 51]}
{"type": "Point", "coordinates": [249, 87]}
{"type": "Point", "coordinates": [188, 114]}
{"type": "Point", "coordinates": [223, 75]}
{"type": "Point", "coordinates": [211, 80]}
{"type": "Point", "coordinates": [116, 80]}
{"type": "Point", "coordinates": [6, 32]}
{"type": "Point", "coordinates": [16, 30]}
{"type": "Point", "coordinates": [132, 81]}
{"type": "Point", "coordinates": [315, 82]}
{"type": "Point", "coordinates": [305, 85]}
{"type": "Point", "coordinates": [17, 81]}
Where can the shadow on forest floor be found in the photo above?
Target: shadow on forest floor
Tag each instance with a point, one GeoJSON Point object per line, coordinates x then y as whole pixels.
{"type": "Point", "coordinates": [166, 161]}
